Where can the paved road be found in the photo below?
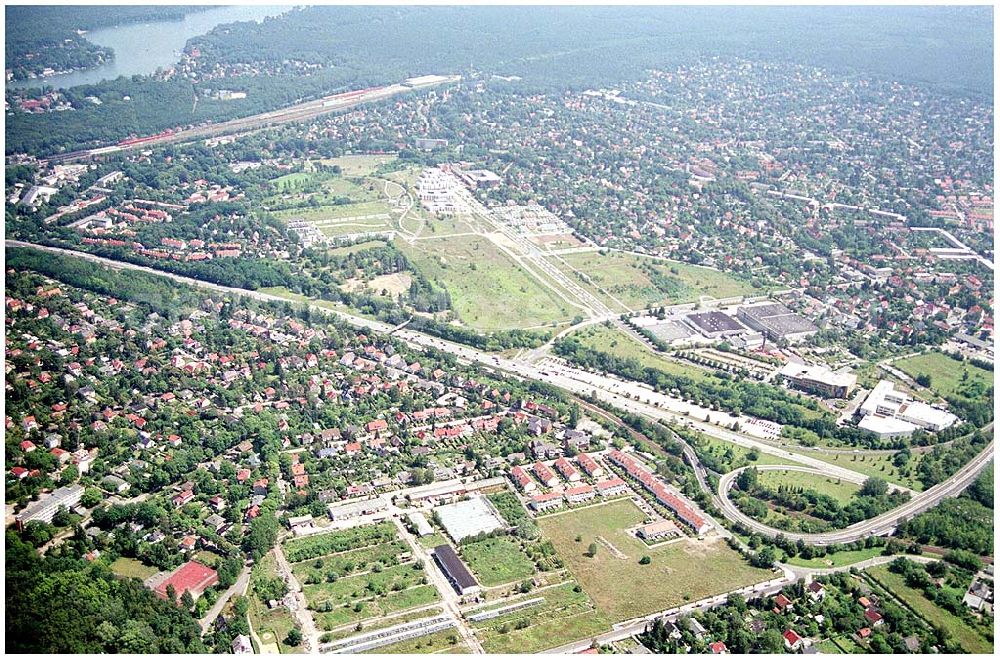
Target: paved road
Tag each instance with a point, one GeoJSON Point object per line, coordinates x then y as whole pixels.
{"type": "Point", "coordinates": [625, 395]}
{"type": "Point", "coordinates": [240, 586]}
{"type": "Point", "coordinates": [878, 526]}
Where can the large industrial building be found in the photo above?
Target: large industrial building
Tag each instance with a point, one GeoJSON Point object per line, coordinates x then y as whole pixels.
{"type": "Point", "coordinates": [715, 324]}
{"type": "Point", "coordinates": [777, 322]}
{"type": "Point", "coordinates": [456, 571]}
{"type": "Point", "coordinates": [889, 413]}
{"type": "Point", "coordinates": [817, 379]}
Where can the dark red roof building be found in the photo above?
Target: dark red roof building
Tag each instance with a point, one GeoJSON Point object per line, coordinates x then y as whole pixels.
{"type": "Point", "coordinates": [192, 577]}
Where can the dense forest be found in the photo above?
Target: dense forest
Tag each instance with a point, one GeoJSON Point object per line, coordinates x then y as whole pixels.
{"type": "Point", "coordinates": [65, 605]}
{"type": "Point", "coordinates": [548, 48]}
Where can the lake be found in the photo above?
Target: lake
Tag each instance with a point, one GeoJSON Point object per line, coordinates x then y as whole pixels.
{"type": "Point", "coordinates": [142, 48]}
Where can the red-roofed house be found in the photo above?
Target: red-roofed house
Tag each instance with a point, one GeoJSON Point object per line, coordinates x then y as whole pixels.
{"type": "Point", "coordinates": [793, 642]}
{"type": "Point", "coordinates": [718, 648]}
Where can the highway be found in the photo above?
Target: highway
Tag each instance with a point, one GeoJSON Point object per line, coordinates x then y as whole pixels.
{"type": "Point", "coordinates": [878, 526]}
{"type": "Point", "coordinates": [632, 397]}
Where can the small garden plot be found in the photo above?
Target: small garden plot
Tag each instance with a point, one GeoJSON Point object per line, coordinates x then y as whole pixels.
{"type": "Point", "coordinates": [497, 560]}
{"type": "Point", "coordinates": [362, 610]}
{"type": "Point", "coordinates": [274, 624]}
{"type": "Point", "coordinates": [509, 507]}
{"type": "Point", "coordinates": [317, 545]}
{"type": "Point", "coordinates": [443, 641]}
{"type": "Point", "coordinates": [312, 571]}
{"type": "Point", "coordinates": [566, 614]}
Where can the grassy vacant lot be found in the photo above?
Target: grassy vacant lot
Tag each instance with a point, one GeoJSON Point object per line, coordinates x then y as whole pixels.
{"type": "Point", "coordinates": [353, 561]}
{"type": "Point", "coordinates": [132, 568]}
{"type": "Point", "coordinates": [968, 637]}
{"type": "Point", "coordinates": [361, 164]}
{"type": "Point", "coordinates": [874, 465]}
{"type": "Point", "coordinates": [564, 616]}
{"type": "Point", "coordinates": [620, 275]}
{"type": "Point", "coordinates": [623, 588]}
{"type": "Point", "coordinates": [497, 560]}
{"type": "Point", "coordinates": [949, 377]}
{"type": "Point", "coordinates": [433, 540]}
{"type": "Point", "coordinates": [614, 341]}
{"type": "Point", "coordinates": [732, 456]}
{"type": "Point", "coordinates": [837, 559]}
{"type": "Point", "coordinates": [488, 290]}
{"type": "Point", "coordinates": [278, 621]}
{"type": "Point", "coordinates": [840, 490]}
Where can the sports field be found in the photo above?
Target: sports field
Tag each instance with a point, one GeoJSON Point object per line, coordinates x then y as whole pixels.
{"type": "Point", "coordinates": [132, 568]}
{"type": "Point", "coordinates": [622, 588]}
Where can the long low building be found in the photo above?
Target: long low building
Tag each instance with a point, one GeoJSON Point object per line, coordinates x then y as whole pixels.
{"type": "Point", "coordinates": [46, 507]}
{"type": "Point", "coordinates": [356, 508]}
{"type": "Point", "coordinates": [685, 511]}
{"type": "Point", "coordinates": [456, 571]}
{"type": "Point", "coordinates": [777, 322]}
{"type": "Point", "coordinates": [817, 379]}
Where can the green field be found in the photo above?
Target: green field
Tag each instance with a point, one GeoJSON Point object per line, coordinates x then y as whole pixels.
{"type": "Point", "coordinates": [837, 559]}
{"type": "Point", "coordinates": [840, 490]}
{"type": "Point", "coordinates": [733, 456]}
{"type": "Point", "coordinates": [488, 290]}
{"type": "Point", "coordinates": [622, 588]}
{"type": "Point", "coordinates": [619, 275]}
{"type": "Point", "coordinates": [564, 616]}
{"type": "Point", "coordinates": [349, 562]}
{"type": "Point", "coordinates": [949, 377]}
{"type": "Point", "coordinates": [360, 164]}
{"type": "Point", "coordinates": [873, 465]}
{"type": "Point", "coordinates": [967, 636]}
{"type": "Point", "coordinates": [497, 560]}
{"type": "Point", "coordinates": [614, 341]}
{"type": "Point", "coordinates": [132, 568]}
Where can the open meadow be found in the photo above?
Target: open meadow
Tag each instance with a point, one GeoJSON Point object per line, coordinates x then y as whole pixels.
{"type": "Point", "coordinates": [622, 588]}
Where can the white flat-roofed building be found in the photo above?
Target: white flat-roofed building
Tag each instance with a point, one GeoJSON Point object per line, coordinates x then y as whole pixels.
{"type": "Point", "coordinates": [420, 523]}
{"type": "Point", "coordinates": [469, 517]}
{"type": "Point", "coordinates": [885, 401]}
{"type": "Point", "coordinates": [886, 428]}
